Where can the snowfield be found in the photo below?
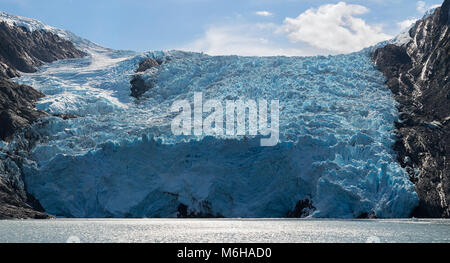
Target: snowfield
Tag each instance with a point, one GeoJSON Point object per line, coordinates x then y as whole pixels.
{"type": "Point", "coordinates": [120, 159]}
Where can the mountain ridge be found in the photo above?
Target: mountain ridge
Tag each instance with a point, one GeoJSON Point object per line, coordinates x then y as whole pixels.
{"type": "Point", "coordinates": [417, 73]}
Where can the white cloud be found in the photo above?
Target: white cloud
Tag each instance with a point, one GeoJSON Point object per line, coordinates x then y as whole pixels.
{"type": "Point", "coordinates": [330, 29]}
{"type": "Point", "coordinates": [264, 13]}
{"type": "Point", "coordinates": [421, 6]}
{"type": "Point", "coordinates": [334, 28]}
{"type": "Point", "coordinates": [405, 24]}
{"type": "Point", "coordinates": [243, 40]}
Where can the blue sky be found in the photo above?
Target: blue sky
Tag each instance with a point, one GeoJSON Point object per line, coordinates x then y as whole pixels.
{"type": "Point", "coordinates": [252, 27]}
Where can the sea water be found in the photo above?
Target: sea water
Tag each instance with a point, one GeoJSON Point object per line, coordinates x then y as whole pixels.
{"type": "Point", "coordinates": [224, 230]}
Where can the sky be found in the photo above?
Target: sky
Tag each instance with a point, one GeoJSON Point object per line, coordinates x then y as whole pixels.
{"type": "Point", "coordinates": [229, 27]}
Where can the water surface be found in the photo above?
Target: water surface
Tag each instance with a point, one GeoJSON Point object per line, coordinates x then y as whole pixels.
{"type": "Point", "coordinates": [224, 230]}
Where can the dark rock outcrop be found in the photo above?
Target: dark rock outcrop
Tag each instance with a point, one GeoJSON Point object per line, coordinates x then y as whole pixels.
{"type": "Point", "coordinates": [15, 202]}
{"type": "Point", "coordinates": [203, 211]}
{"type": "Point", "coordinates": [138, 85]}
{"type": "Point", "coordinates": [17, 113]}
{"type": "Point", "coordinates": [418, 75]}
{"type": "Point", "coordinates": [147, 64]}
{"type": "Point", "coordinates": [22, 50]}
{"type": "Point", "coordinates": [302, 209]}
{"type": "Point", "coordinates": [17, 108]}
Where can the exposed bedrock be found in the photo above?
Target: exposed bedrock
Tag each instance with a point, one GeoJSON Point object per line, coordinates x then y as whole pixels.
{"type": "Point", "coordinates": [17, 107]}
{"type": "Point", "coordinates": [22, 51]}
{"type": "Point", "coordinates": [17, 113]}
{"type": "Point", "coordinates": [203, 210]}
{"type": "Point", "coordinates": [147, 64]}
{"type": "Point", "coordinates": [139, 86]}
{"type": "Point", "coordinates": [15, 202]}
{"type": "Point", "coordinates": [138, 83]}
{"type": "Point", "coordinates": [302, 209]}
{"type": "Point", "coordinates": [418, 75]}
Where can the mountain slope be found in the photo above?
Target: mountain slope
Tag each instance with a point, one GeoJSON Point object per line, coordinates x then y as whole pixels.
{"type": "Point", "coordinates": [22, 49]}
{"type": "Point", "coordinates": [17, 110]}
{"type": "Point", "coordinates": [17, 113]}
{"type": "Point", "coordinates": [418, 74]}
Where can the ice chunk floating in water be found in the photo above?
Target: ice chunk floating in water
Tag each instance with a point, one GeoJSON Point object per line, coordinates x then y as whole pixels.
{"type": "Point", "coordinates": [120, 159]}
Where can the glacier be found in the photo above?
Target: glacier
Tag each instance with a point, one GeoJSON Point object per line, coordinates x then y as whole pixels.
{"type": "Point", "coordinates": [118, 158]}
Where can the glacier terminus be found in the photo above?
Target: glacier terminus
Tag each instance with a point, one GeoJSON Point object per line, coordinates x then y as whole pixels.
{"type": "Point", "coordinates": [118, 156]}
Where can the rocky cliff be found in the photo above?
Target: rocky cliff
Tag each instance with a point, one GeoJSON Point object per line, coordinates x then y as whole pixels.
{"type": "Point", "coordinates": [17, 112]}
{"type": "Point", "coordinates": [15, 202]}
{"type": "Point", "coordinates": [22, 51]}
{"type": "Point", "coordinates": [418, 74]}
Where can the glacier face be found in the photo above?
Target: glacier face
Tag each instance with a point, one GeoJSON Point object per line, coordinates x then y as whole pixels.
{"type": "Point", "coordinates": [120, 159]}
